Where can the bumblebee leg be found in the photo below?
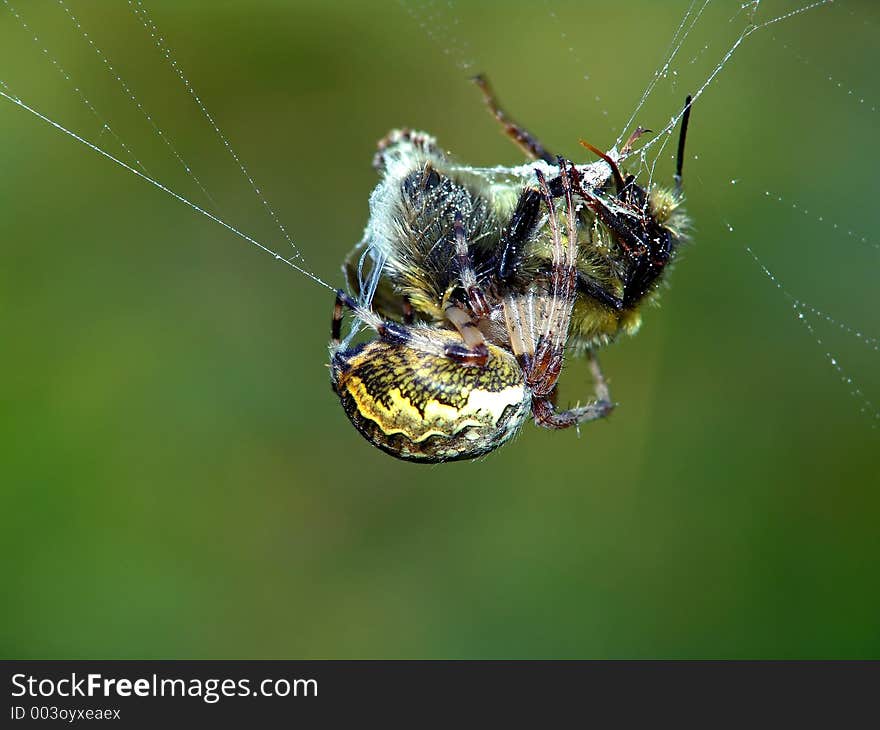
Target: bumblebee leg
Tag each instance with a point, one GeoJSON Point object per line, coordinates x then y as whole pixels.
{"type": "Point", "coordinates": [524, 139]}
{"type": "Point", "coordinates": [628, 237]}
{"type": "Point", "coordinates": [520, 228]}
{"type": "Point", "coordinates": [546, 415]}
{"type": "Point", "coordinates": [597, 291]}
{"type": "Point", "coordinates": [647, 245]}
{"type": "Point", "coordinates": [603, 394]}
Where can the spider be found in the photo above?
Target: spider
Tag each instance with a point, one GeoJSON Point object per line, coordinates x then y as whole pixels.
{"type": "Point", "coordinates": [482, 281]}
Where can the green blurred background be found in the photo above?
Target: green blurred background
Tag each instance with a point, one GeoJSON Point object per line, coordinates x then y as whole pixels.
{"type": "Point", "coordinates": [177, 477]}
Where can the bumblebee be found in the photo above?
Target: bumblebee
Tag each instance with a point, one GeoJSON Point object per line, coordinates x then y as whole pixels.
{"type": "Point", "coordinates": [478, 282]}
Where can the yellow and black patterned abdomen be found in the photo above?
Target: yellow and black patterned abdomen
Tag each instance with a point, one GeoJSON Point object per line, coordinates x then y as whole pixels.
{"type": "Point", "coordinates": [424, 407]}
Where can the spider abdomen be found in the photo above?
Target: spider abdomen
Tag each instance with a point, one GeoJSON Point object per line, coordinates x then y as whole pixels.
{"type": "Point", "coordinates": [421, 406]}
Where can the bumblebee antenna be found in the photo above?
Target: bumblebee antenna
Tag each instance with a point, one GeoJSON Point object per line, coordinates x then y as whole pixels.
{"type": "Point", "coordinates": [682, 136]}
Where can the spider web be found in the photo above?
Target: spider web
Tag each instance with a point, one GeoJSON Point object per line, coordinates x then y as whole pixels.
{"type": "Point", "coordinates": [693, 54]}
{"type": "Point", "coordinates": [127, 158]}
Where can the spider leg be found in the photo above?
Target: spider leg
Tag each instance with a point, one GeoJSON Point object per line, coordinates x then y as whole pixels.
{"type": "Point", "coordinates": [388, 330]}
{"type": "Point", "coordinates": [547, 416]}
{"type": "Point", "coordinates": [542, 368]}
{"type": "Point", "coordinates": [336, 322]}
{"type": "Point", "coordinates": [402, 334]}
{"type": "Point", "coordinates": [471, 351]}
{"type": "Point", "coordinates": [541, 356]}
{"type": "Point", "coordinates": [524, 139]}
{"type": "Point", "coordinates": [475, 350]}
{"type": "Point", "coordinates": [467, 276]}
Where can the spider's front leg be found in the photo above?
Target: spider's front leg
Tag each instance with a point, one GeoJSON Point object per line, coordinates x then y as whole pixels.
{"type": "Point", "coordinates": [546, 415]}
{"type": "Point", "coordinates": [407, 395]}
{"type": "Point", "coordinates": [395, 333]}
{"type": "Point", "coordinates": [544, 365]}
{"type": "Point", "coordinates": [463, 315]}
{"type": "Point", "coordinates": [388, 330]}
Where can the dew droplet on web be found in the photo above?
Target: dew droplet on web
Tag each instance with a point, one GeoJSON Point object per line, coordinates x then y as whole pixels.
{"type": "Point", "coordinates": [866, 406]}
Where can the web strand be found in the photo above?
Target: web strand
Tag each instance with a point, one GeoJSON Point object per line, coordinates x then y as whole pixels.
{"type": "Point", "coordinates": [849, 91]}
{"type": "Point", "coordinates": [749, 30]}
{"type": "Point", "coordinates": [141, 13]}
{"type": "Point", "coordinates": [678, 40]}
{"type": "Point", "coordinates": [4, 92]}
{"type": "Point", "coordinates": [802, 312]}
{"type": "Point", "coordinates": [104, 125]}
{"type": "Point", "coordinates": [140, 107]}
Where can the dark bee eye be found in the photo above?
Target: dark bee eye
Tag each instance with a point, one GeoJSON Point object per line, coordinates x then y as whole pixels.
{"type": "Point", "coordinates": [425, 407]}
